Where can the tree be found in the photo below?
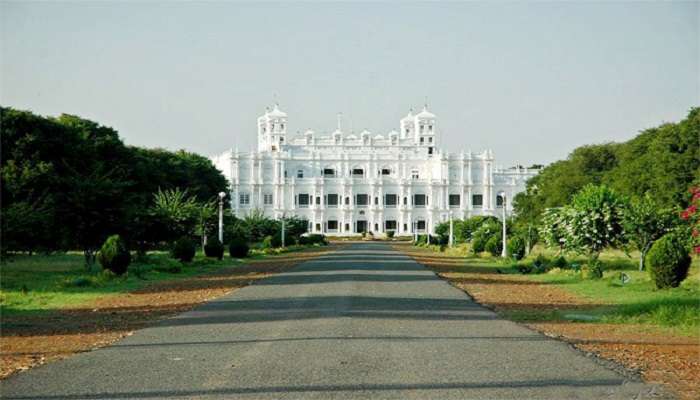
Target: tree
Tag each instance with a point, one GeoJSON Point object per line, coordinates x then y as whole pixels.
{"type": "Point", "coordinates": [594, 221]}
{"type": "Point", "coordinates": [553, 229]}
{"type": "Point", "coordinates": [645, 222]}
{"type": "Point", "coordinates": [178, 210]}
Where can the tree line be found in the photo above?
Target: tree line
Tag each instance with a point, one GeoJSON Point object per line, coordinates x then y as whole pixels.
{"type": "Point", "coordinates": [68, 183]}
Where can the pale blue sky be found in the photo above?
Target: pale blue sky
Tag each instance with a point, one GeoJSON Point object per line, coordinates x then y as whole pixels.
{"type": "Point", "coordinates": [529, 80]}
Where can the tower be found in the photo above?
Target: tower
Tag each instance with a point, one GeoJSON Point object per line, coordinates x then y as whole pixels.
{"type": "Point", "coordinates": [408, 127]}
{"type": "Point", "coordinates": [272, 129]}
{"type": "Point", "coordinates": [425, 126]}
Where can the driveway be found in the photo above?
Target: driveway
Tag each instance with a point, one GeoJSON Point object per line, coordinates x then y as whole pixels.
{"type": "Point", "coordinates": [362, 322]}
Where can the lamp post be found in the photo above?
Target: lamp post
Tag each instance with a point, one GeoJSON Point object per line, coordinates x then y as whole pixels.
{"type": "Point", "coordinates": [282, 230]}
{"type": "Point", "coordinates": [503, 204]}
{"type": "Point", "coordinates": [221, 216]}
{"type": "Point", "coordinates": [451, 241]}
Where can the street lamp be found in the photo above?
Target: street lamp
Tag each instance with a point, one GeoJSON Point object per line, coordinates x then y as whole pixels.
{"type": "Point", "coordinates": [282, 230]}
{"type": "Point", "coordinates": [221, 216]}
{"type": "Point", "coordinates": [503, 204]}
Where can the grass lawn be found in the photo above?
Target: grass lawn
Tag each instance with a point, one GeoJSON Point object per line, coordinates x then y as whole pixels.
{"type": "Point", "coordinates": [637, 301]}
{"type": "Point", "coordinates": [41, 283]}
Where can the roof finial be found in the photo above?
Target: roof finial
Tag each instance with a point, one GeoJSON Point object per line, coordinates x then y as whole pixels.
{"type": "Point", "coordinates": [340, 116]}
{"type": "Point", "coordinates": [274, 99]}
{"type": "Point", "coordinates": [425, 104]}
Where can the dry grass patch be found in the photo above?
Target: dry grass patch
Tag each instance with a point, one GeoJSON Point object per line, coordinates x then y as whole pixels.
{"type": "Point", "coordinates": [29, 340]}
{"type": "Point", "coordinates": [659, 356]}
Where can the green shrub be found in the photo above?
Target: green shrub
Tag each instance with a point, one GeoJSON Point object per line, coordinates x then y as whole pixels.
{"type": "Point", "coordinates": [183, 249]}
{"type": "Point", "coordinates": [276, 240]}
{"type": "Point", "coordinates": [238, 248]}
{"type": "Point", "coordinates": [494, 245]}
{"type": "Point", "coordinates": [313, 239]}
{"type": "Point", "coordinates": [595, 270]}
{"type": "Point", "coordinates": [516, 248]}
{"type": "Point", "coordinates": [541, 264]}
{"type": "Point", "coordinates": [214, 248]}
{"type": "Point", "coordinates": [560, 262]}
{"type": "Point", "coordinates": [266, 243]}
{"type": "Point", "coordinates": [479, 243]}
{"type": "Point", "coordinates": [668, 261]}
{"type": "Point", "coordinates": [524, 268]}
{"type": "Point", "coordinates": [114, 256]}
{"type": "Point", "coordinates": [390, 234]}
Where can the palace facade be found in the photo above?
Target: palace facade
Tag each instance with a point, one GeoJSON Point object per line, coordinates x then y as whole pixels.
{"type": "Point", "coordinates": [347, 183]}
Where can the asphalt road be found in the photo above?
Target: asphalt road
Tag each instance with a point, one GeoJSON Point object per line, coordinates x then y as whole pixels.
{"type": "Point", "coordinates": [364, 322]}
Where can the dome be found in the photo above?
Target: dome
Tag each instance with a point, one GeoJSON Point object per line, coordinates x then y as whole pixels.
{"type": "Point", "coordinates": [425, 113]}
{"type": "Point", "coordinates": [409, 116]}
{"type": "Point", "coordinates": [276, 112]}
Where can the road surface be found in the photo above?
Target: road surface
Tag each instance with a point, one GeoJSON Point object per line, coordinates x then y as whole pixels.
{"type": "Point", "coordinates": [364, 322]}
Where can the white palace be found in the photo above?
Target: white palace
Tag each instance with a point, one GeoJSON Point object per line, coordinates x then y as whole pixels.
{"type": "Point", "coordinates": [347, 183]}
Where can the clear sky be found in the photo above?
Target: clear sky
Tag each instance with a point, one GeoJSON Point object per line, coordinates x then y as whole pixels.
{"type": "Point", "coordinates": [529, 80]}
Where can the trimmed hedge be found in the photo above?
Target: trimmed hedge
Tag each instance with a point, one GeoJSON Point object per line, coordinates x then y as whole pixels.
{"type": "Point", "coordinates": [214, 248]}
{"type": "Point", "coordinates": [183, 249]}
{"type": "Point", "coordinates": [238, 248]}
{"type": "Point", "coordinates": [114, 256]}
{"type": "Point", "coordinates": [668, 261]}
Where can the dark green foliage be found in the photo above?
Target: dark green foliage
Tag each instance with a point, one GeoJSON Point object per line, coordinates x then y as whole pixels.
{"type": "Point", "coordinates": [662, 162]}
{"type": "Point", "coordinates": [595, 269]}
{"type": "Point", "coordinates": [266, 243]}
{"type": "Point", "coordinates": [489, 228]}
{"type": "Point", "coordinates": [442, 231]}
{"type": "Point", "coordinates": [464, 230]}
{"type": "Point", "coordinates": [541, 264]}
{"type": "Point", "coordinates": [271, 241]}
{"type": "Point", "coordinates": [214, 248]}
{"type": "Point", "coordinates": [390, 234]}
{"type": "Point", "coordinates": [114, 256]}
{"type": "Point", "coordinates": [560, 262]}
{"type": "Point", "coordinates": [494, 245]}
{"type": "Point", "coordinates": [479, 243]}
{"type": "Point", "coordinates": [68, 183]}
{"type": "Point", "coordinates": [183, 249]}
{"type": "Point", "coordinates": [524, 268]}
{"type": "Point", "coordinates": [276, 240]}
{"type": "Point", "coordinates": [238, 248]}
{"type": "Point", "coordinates": [313, 239]}
{"type": "Point", "coordinates": [668, 261]}
{"type": "Point", "coordinates": [516, 247]}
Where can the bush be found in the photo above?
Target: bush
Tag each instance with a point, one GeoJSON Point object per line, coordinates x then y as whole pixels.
{"type": "Point", "coordinates": [313, 239]}
{"type": "Point", "coordinates": [540, 264]}
{"type": "Point", "coordinates": [524, 268]}
{"type": "Point", "coordinates": [266, 243]}
{"type": "Point", "coordinates": [183, 249]}
{"type": "Point", "coordinates": [595, 270]}
{"type": "Point", "coordinates": [390, 234]}
{"type": "Point", "coordinates": [276, 240]}
{"type": "Point", "coordinates": [560, 262]}
{"type": "Point", "coordinates": [494, 245]}
{"type": "Point", "coordinates": [214, 248]}
{"type": "Point", "coordinates": [479, 243]}
{"type": "Point", "coordinates": [114, 256]}
{"type": "Point", "coordinates": [238, 248]}
{"type": "Point", "coordinates": [668, 261]}
{"type": "Point", "coordinates": [516, 248]}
